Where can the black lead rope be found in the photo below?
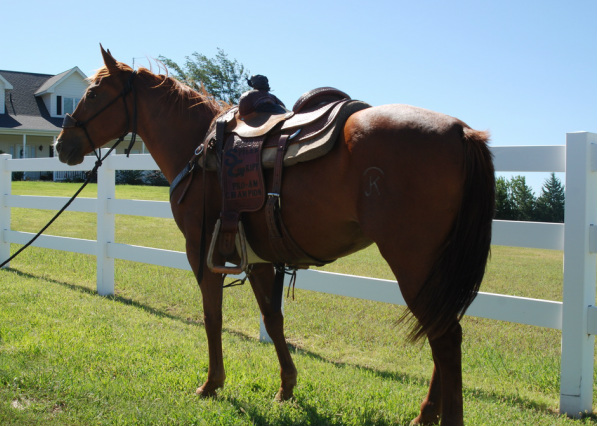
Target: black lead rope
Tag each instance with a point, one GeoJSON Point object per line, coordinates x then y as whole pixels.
{"type": "Point", "coordinates": [90, 175]}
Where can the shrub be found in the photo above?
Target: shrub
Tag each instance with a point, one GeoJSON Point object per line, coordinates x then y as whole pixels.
{"type": "Point", "coordinates": [129, 177]}
{"type": "Point", "coordinates": [155, 178]}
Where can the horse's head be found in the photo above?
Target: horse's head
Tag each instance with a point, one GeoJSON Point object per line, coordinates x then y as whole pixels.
{"type": "Point", "coordinates": [103, 114]}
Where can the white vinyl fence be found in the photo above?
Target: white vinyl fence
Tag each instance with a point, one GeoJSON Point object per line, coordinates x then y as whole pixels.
{"type": "Point", "coordinates": [576, 316]}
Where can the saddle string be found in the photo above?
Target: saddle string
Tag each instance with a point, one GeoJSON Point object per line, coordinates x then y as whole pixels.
{"type": "Point", "coordinates": [292, 283]}
{"type": "Point", "coordinates": [239, 281]}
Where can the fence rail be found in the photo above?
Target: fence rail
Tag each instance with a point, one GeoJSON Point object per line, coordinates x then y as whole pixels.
{"type": "Point", "coordinates": [576, 315]}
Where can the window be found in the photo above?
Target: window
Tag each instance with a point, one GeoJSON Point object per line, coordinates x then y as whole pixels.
{"type": "Point", "coordinates": [70, 104]}
{"type": "Point", "coordinates": [66, 105]}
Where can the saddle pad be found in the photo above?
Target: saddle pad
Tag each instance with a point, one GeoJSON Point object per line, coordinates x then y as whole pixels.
{"type": "Point", "coordinates": [242, 176]}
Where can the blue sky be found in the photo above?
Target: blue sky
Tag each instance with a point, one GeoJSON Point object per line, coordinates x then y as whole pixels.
{"type": "Point", "coordinates": [524, 69]}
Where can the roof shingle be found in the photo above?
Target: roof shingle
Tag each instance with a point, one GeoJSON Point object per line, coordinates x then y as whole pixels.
{"type": "Point", "coordinates": [25, 111]}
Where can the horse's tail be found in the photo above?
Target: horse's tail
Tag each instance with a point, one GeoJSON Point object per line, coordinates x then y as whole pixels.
{"type": "Point", "coordinates": [454, 280]}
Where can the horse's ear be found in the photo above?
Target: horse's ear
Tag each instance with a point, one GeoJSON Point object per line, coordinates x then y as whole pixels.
{"type": "Point", "coordinates": [109, 60]}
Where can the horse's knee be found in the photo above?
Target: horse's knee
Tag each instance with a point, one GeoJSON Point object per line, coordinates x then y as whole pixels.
{"type": "Point", "coordinates": [212, 319]}
{"type": "Point", "coordinates": [451, 339]}
{"type": "Point", "coordinates": [273, 319]}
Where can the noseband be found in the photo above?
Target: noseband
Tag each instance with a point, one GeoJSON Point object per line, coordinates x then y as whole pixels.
{"type": "Point", "coordinates": [70, 122]}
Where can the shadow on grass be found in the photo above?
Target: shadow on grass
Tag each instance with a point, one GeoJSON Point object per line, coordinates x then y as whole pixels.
{"type": "Point", "coordinates": [310, 414]}
{"type": "Point", "coordinates": [315, 417]}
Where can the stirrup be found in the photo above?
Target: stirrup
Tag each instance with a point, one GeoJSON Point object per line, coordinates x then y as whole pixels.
{"type": "Point", "coordinates": [241, 247]}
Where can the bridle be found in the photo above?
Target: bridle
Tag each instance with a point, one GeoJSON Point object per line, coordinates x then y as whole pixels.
{"type": "Point", "coordinates": [71, 122]}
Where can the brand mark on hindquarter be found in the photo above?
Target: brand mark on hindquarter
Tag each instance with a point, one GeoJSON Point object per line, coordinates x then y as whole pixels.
{"type": "Point", "coordinates": [372, 177]}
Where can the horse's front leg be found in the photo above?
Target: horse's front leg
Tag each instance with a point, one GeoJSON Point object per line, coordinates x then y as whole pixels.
{"type": "Point", "coordinates": [262, 281]}
{"type": "Point", "coordinates": [211, 290]}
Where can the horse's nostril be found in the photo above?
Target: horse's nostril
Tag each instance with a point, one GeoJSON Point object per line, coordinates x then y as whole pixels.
{"type": "Point", "coordinates": [58, 145]}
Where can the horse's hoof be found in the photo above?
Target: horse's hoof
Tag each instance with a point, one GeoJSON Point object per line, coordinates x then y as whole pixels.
{"type": "Point", "coordinates": [419, 422]}
{"type": "Point", "coordinates": [205, 393]}
{"type": "Point", "coordinates": [282, 396]}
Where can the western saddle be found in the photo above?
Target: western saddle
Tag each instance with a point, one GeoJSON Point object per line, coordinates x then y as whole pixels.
{"type": "Point", "coordinates": [261, 133]}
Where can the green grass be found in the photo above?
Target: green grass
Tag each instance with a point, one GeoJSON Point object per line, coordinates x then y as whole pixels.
{"type": "Point", "coordinates": [70, 357]}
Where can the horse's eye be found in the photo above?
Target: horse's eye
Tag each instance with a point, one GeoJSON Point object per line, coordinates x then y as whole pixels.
{"type": "Point", "coordinates": [91, 94]}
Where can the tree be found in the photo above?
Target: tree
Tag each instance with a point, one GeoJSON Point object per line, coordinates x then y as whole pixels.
{"type": "Point", "coordinates": [523, 198]}
{"type": "Point", "coordinates": [550, 204]}
{"type": "Point", "coordinates": [223, 78]}
{"type": "Point", "coordinates": [504, 209]}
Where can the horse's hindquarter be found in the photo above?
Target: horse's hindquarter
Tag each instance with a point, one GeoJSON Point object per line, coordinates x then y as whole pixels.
{"type": "Point", "coordinates": [409, 162]}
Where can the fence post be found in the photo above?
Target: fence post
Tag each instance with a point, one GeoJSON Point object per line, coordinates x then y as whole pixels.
{"type": "Point", "coordinates": [5, 189]}
{"type": "Point", "coordinates": [580, 269]}
{"type": "Point", "coordinates": [106, 191]}
{"type": "Point", "coordinates": [264, 336]}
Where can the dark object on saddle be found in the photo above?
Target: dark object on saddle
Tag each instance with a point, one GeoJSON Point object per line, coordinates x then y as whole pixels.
{"type": "Point", "coordinates": [259, 100]}
{"type": "Point", "coordinates": [262, 133]}
{"type": "Point", "coordinates": [258, 82]}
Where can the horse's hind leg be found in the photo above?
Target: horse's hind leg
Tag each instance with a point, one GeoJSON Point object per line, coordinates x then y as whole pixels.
{"type": "Point", "coordinates": [431, 406]}
{"type": "Point", "coordinates": [445, 390]}
{"type": "Point", "coordinates": [447, 355]}
{"type": "Point", "coordinates": [262, 281]}
{"type": "Point", "coordinates": [444, 399]}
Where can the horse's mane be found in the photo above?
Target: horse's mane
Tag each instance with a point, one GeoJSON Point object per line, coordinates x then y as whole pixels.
{"type": "Point", "coordinates": [178, 92]}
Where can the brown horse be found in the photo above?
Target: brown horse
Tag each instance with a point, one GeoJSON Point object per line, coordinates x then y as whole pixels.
{"type": "Point", "coordinates": [417, 183]}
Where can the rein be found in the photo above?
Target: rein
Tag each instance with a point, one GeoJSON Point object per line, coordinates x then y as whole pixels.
{"type": "Point", "coordinates": [69, 122]}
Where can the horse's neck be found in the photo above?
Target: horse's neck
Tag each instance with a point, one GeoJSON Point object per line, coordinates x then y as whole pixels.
{"type": "Point", "coordinates": [172, 133]}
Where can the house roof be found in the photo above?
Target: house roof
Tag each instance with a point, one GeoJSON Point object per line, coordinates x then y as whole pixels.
{"type": "Point", "coordinates": [25, 109]}
{"type": "Point", "coordinates": [7, 84]}
{"type": "Point", "coordinates": [51, 83]}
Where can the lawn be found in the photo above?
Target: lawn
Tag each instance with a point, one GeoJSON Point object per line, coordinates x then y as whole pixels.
{"type": "Point", "coordinates": [71, 357]}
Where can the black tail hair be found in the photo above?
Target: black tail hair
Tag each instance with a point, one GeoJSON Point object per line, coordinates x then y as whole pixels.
{"type": "Point", "coordinates": [454, 279]}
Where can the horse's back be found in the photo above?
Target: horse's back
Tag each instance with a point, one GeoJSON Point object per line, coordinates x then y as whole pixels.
{"type": "Point", "coordinates": [406, 125]}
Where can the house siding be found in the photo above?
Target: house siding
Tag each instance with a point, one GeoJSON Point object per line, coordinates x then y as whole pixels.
{"type": "Point", "coordinates": [72, 87]}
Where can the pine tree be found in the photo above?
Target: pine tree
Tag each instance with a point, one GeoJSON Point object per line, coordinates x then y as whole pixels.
{"type": "Point", "coordinates": [550, 204]}
{"type": "Point", "coordinates": [523, 199]}
{"type": "Point", "coordinates": [504, 209]}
